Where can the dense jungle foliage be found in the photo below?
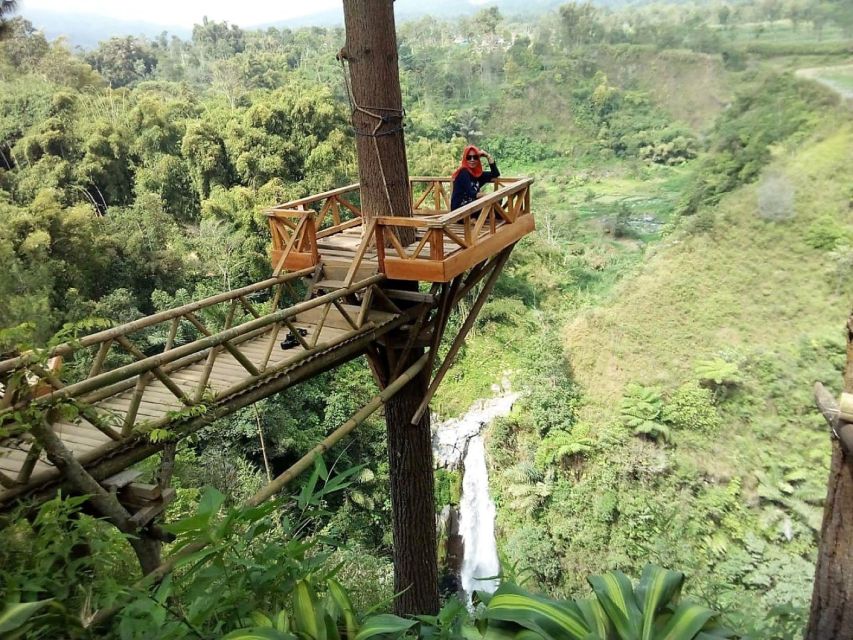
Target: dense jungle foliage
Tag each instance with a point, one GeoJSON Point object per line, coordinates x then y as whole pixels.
{"type": "Point", "coordinates": [688, 282]}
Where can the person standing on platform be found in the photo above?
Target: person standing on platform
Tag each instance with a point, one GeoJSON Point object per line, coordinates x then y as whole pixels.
{"type": "Point", "coordinates": [469, 176]}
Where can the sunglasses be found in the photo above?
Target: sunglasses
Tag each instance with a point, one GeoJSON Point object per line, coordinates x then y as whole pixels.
{"type": "Point", "coordinates": [472, 157]}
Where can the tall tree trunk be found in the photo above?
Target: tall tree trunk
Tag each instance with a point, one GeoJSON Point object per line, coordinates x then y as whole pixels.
{"type": "Point", "coordinates": [412, 498]}
{"type": "Point", "coordinates": [371, 52]}
{"type": "Point", "coordinates": [832, 598]}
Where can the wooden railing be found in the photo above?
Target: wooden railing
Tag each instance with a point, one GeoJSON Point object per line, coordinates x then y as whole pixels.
{"type": "Point", "coordinates": [451, 242]}
{"type": "Point", "coordinates": [113, 361]}
{"type": "Point", "coordinates": [296, 226]}
{"type": "Point", "coordinates": [446, 241]}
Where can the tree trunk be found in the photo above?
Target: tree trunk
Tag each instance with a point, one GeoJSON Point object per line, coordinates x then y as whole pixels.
{"type": "Point", "coordinates": [371, 51]}
{"type": "Point", "coordinates": [832, 598]}
{"type": "Point", "coordinates": [412, 498]}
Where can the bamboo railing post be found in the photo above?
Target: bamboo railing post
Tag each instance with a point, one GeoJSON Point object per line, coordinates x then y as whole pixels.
{"type": "Point", "coordinates": [135, 401]}
{"type": "Point", "coordinates": [101, 356]}
{"type": "Point", "coordinates": [128, 346]}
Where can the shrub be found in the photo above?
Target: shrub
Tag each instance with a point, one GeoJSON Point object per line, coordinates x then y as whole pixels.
{"type": "Point", "coordinates": [825, 234]}
{"type": "Point", "coordinates": [641, 411]}
{"type": "Point", "coordinates": [691, 407]}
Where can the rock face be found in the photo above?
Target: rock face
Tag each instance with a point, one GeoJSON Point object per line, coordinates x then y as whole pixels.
{"type": "Point", "coordinates": [450, 438]}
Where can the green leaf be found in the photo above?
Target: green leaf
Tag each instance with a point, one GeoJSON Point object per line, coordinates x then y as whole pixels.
{"type": "Point", "coordinates": [595, 617]}
{"type": "Point", "coordinates": [549, 618]}
{"type": "Point", "coordinates": [210, 502]}
{"type": "Point", "coordinates": [320, 465]}
{"type": "Point", "coordinates": [305, 618]}
{"type": "Point", "coordinates": [655, 591]}
{"type": "Point", "coordinates": [344, 605]}
{"type": "Point", "coordinates": [307, 493]}
{"type": "Point", "coordinates": [384, 624]}
{"type": "Point", "coordinates": [260, 633]}
{"type": "Point", "coordinates": [261, 619]}
{"type": "Point", "coordinates": [686, 622]}
{"type": "Point", "coordinates": [616, 596]}
{"type": "Point", "coordinates": [15, 614]}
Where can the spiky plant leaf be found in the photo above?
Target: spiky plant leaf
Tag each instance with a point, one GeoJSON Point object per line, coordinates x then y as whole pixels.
{"type": "Point", "coordinates": [549, 618]}
{"type": "Point", "coordinates": [307, 620]}
{"type": "Point", "coordinates": [656, 589]}
{"type": "Point", "coordinates": [686, 622]}
{"type": "Point", "coordinates": [616, 596]}
{"type": "Point", "coordinates": [15, 614]}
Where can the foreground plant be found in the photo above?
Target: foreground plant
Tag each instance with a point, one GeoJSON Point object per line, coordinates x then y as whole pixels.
{"type": "Point", "coordinates": [618, 611]}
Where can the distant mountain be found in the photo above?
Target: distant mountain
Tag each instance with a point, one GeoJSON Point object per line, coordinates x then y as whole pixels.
{"type": "Point", "coordinates": [87, 30]}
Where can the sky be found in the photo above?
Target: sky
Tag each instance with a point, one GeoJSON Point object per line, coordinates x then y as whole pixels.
{"type": "Point", "coordinates": [187, 12]}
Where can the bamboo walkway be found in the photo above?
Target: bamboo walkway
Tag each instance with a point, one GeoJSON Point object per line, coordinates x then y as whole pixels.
{"type": "Point", "coordinates": [115, 414]}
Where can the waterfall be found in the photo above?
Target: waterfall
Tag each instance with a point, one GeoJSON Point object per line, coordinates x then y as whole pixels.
{"type": "Point", "coordinates": [452, 440]}
{"type": "Point", "coordinates": [477, 524]}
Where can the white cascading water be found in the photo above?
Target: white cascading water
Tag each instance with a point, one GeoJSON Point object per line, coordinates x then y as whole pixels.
{"type": "Point", "coordinates": [477, 524]}
{"type": "Point", "coordinates": [476, 509]}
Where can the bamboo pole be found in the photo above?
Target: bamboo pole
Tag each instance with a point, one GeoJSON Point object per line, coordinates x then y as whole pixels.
{"type": "Point", "coordinates": [153, 363]}
{"type": "Point", "coordinates": [131, 327]}
{"type": "Point", "coordinates": [463, 331]}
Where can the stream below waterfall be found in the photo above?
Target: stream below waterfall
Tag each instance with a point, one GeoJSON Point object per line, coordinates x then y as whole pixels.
{"type": "Point", "coordinates": [458, 445]}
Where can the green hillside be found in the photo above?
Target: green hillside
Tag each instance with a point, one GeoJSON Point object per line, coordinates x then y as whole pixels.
{"type": "Point", "coordinates": [688, 281]}
{"type": "Point", "coordinates": [724, 478]}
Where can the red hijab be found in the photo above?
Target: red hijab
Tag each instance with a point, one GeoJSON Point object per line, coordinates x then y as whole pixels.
{"type": "Point", "coordinates": [463, 164]}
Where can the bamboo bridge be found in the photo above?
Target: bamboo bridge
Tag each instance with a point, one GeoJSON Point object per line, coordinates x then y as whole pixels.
{"type": "Point", "coordinates": [105, 401]}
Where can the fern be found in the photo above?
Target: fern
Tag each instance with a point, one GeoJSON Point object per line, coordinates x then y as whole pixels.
{"type": "Point", "coordinates": [559, 446]}
{"type": "Point", "coordinates": [653, 430]}
{"type": "Point", "coordinates": [718, 371]}
{"type": "Point", "coordinates": [641, 411]}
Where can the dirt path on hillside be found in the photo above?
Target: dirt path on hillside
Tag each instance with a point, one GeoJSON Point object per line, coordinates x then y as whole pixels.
{"type": "Point", "coordinates": [816, 74]}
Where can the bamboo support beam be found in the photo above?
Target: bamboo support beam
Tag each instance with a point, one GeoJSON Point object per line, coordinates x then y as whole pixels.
{"type": "Point", "coordinates": [359, 254]}
{"type": "Point", "coordinates": [103, 350]}
{"type": "Point", "coordinates": [173, 331]}
{"type": "Point", "coordinates": [234, 351]}
{"type": "Point", "coordinates": [463, 331]}
{"type": "Point", "coordinates": [135, 401]}
{"type": "Point", "coordinates": [29, 463]}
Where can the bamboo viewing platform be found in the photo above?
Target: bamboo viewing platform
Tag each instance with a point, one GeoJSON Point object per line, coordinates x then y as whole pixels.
{"type": "Point", "coordinates": [103, 403]}
{"type": "Point", "coordinates": [328, 227]}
